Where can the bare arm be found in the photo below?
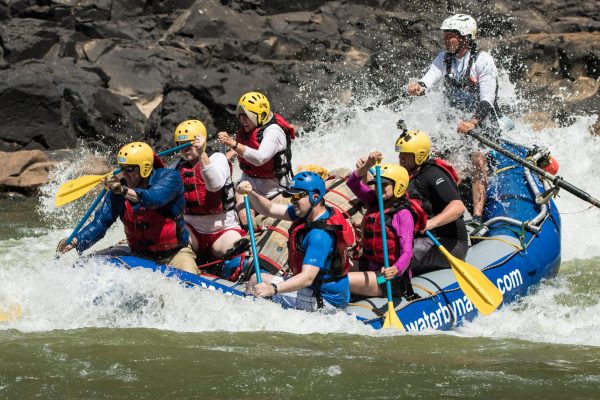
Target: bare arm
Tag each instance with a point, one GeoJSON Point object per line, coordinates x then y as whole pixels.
{"type": "Point", "coordinates": [303, 280]}
{"type": "Point", "coordinates": [199, 143]}
{"type": "Point", "coordinates": [450, 213]}
{"type": "Point", "coordinates": [263, 205]}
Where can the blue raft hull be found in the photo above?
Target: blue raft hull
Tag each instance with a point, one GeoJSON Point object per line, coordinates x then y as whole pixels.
{"type": "Point", "coordinates": [515, 258]}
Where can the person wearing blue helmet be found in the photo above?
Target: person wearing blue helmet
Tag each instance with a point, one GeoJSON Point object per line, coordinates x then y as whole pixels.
{"type": "Point", "coordinates": [318, 244]}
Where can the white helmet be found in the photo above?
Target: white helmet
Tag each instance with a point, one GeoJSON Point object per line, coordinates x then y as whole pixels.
{"type": "Point", "coordinates": [462, 23]}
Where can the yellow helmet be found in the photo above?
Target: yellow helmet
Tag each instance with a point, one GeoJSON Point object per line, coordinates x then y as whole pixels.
{"type": "Point", "coordinates": [188, 130]}
{"type": "Point", "coordinates": [415, 142]}
{"type": "Point", "coordinates": [137, 153]}
{"type": "Point", "coordinates": [398, 174]}
{"type": "Point", "coordinates": [257, 105]}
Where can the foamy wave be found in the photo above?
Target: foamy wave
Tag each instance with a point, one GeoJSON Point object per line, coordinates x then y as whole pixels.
{"type": "Point", "coordinates": [58, 296]}
{"type": "Point", "coordinates": [347, 132]}
{"type": "Point", "coordinates": [558, 312]}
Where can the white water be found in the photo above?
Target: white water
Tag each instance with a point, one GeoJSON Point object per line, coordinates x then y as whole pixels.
{"type": "Point", "coordinates": [542, 317]}
{"type": "Point", "coordinates": [54, 295]}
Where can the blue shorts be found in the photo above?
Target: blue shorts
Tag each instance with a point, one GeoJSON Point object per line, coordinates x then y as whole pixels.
{"type": "Point", "coordinates": [303, 299]}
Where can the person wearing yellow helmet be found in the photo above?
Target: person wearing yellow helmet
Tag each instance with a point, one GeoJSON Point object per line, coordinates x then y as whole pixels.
{"type": "Point", "coordinates": [434, 182]}
{"type": "Point", "coordinates": [209, 214]}
{"type": "Point", "coordinates": [403, 217]}
{"type": "Point", "coordinates": [262, 145]}
{"type": "Point", "coordinates": [148, 199]}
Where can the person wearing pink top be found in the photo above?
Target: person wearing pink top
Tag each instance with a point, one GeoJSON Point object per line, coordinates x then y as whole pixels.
{"type": "Point", "coordinates": [402, 217]}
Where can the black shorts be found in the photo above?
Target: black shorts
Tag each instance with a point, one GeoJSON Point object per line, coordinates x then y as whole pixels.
{"type": "Point", "coordinates": [400, 285]}
{"type": "Point", "coordinates": [427, 257]}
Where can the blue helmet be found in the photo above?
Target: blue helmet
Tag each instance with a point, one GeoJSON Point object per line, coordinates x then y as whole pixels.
{"type": "Point", "coordinates": [310, 182]}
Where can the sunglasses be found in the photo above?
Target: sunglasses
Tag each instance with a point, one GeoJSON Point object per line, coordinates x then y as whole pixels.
{"type": "Point", "coordinates": [298, 196]}
{"type": "Point", "coordinates": [128, 168]}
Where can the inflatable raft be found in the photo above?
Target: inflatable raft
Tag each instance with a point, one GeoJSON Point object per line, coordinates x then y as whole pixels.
{"type": "Point", "coordinates": [520, 248]}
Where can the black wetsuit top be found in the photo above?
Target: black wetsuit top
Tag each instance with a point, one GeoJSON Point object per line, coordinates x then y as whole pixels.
{"type": "Point", "coordinates": [436, 189]}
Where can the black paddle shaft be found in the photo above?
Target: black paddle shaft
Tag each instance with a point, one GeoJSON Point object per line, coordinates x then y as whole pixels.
{"type": "Point", "coordinates": [556, 180]}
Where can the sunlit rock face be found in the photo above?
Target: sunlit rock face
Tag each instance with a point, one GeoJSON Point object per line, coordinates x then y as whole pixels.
{"type": "Point", "coordinates": [23, 171]}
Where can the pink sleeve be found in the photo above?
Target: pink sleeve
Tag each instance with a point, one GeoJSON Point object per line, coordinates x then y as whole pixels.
{"type": "Point", "coordinates": [360, 190]}
{"type": "Point", "coordinates": [404, 227]}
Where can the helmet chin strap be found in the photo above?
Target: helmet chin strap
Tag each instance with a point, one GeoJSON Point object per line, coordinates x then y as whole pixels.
{"type": "Point", "coordinates": [312, 206]}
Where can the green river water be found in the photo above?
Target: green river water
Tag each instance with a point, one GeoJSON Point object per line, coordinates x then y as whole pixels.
{"type": "Point", "coordinates": [151, 364]}
{"type": "Point", "coordinates": [59, 359]}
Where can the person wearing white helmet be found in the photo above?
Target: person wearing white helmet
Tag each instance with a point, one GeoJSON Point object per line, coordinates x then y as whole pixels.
{"type": "Point", "coordinates": [470, 80]}
{"type": "Point", "coordinates": [469, 75]}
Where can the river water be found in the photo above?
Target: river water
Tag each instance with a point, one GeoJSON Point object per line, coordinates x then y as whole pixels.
{"type": "Point", "coordinates": [92, 331]}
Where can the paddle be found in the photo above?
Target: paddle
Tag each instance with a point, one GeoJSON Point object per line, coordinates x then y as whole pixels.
{"type": "Point", "coordinates": [76, 188]}
{"type": "Point", "coordinates": [391, 318]}
{"type": "Point", "coordinates": [484, 295]}
{"type": "Point", "coordinates": [103, 192]}
{"type": "Point", "coordinates": [556, 180]}
{"type": "Point", "coordinates": [252, 239]}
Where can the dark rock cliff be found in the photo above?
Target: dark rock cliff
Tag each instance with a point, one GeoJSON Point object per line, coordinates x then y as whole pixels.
{"type": "Point", "coordinates": [110, 71]}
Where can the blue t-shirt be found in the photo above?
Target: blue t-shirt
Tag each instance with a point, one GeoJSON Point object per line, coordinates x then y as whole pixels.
{"type": "Point", "coordinates": [319, 249]}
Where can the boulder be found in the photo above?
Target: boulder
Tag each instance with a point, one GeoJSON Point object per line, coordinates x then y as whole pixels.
{"type": "Point", "coordinates": [539, 120]}
{"type": "Point", "coordinates": [558, 70]}
{"type": "Point", "coordinates": [30, 108]}
{"type": "Point", "coordinates": [23, 171]}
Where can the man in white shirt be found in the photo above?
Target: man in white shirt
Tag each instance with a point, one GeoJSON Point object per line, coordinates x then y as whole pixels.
{"type": "Point", "coordinates": [262, 145]}
{"type": "Point", "coordinates": [470, 80]}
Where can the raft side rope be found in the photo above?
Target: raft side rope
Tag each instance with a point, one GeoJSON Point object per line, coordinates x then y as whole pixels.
{"type": "Point", "coordinates": [517, 247]}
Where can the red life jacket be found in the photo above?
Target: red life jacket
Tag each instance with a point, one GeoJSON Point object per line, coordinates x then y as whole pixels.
{"type": "Point", "coordinates": [419, 214]}
{"type": "Point", "coordinates": [198, 200]}
{"type": "Point", "coordinates": [344, 235]}
{"type": "Point", "coordinates": [372, 243]}
{"type": "Point", "coordinates": [444, 166]}
{"type": "Point", "coordinates": [281, 163]}
{"type": "Point", "coordinates": [149, 230]}
{"type": "Point", "coordinates": [157, 162]}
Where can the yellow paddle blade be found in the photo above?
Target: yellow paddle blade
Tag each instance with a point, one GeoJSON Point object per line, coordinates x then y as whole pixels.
{"type": "Point", "coordinates": [76, 188]}
{"type": "Point", "coordinates": [391, 318]}
{"type": "Point", "coordinates": [484, 295]}
{"type": "Point", "coordinates": [11, 313]}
